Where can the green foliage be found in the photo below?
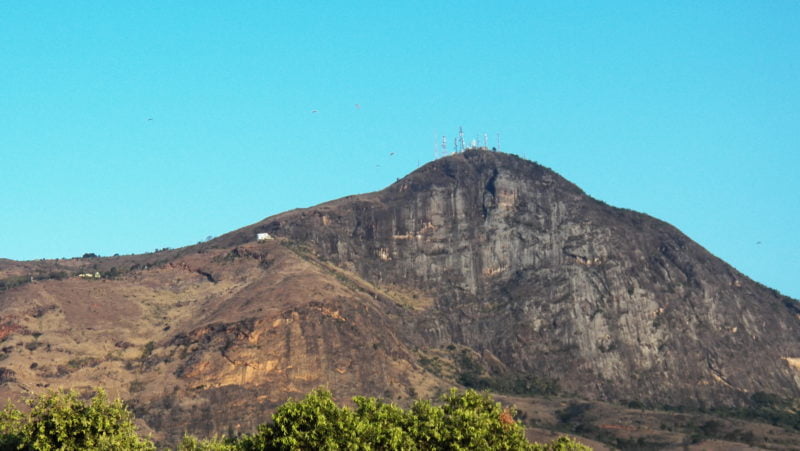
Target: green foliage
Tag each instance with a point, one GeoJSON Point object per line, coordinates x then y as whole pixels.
{"type": "Point", "coordinates": [467, 420]}
{"type": "Point", "coordinates": [314, 423]}
{"type": "Point", "coordinates": [385, 426]}
{"type": "Point", "coordinates": [560, 444]}
{"type": "Point", "coordinates": [59, 420]}
{"type": "Point", "coordinates": [474, 421]}
{"type": "Point", "coordinates": [190, 443]}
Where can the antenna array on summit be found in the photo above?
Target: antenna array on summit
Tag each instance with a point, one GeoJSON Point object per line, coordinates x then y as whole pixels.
{"type": "Point", "coordinates": [460, 146]}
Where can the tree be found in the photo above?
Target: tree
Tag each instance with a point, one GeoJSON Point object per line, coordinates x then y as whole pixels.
{"type": "Point", "coordinates": [59, 420]}
{"type": "Point", "coordinates": [473, 420]}
{"type": "Point", "coordinates": [316, 422]}
{"type": "Point", "coordinates": [465, 421]}
{"type": "Point", "coordinates": [190, 443]}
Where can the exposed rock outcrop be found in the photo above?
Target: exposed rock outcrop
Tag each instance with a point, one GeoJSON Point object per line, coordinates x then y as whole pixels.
{"type": "Point", "coordinates": [480, 268]}
{"type": "Point", "coordinates": [611, 303]}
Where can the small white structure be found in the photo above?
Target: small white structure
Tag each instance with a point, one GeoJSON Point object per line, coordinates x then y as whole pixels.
{"type": "Point", "coordinates": [263, 236]}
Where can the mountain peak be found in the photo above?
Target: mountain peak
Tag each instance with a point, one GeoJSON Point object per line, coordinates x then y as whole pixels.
{"type": "Point", "coordinates": [550, 281]}
{"type": "Point", "coordinates": [502, 272]}
{"type": "Point", "coordinates": [475, 165]}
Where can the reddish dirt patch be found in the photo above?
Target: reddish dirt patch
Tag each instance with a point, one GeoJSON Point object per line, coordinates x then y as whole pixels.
{"type": "Point", "coordinates": [8, 326]}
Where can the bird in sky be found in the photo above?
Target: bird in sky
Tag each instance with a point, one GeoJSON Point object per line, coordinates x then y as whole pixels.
{"type": "Point", "coordinates": [358, 106]}
{"type": "Point", "coordinates": [391, 153]}
{"type": "Point", "coordinates": [315, 111]}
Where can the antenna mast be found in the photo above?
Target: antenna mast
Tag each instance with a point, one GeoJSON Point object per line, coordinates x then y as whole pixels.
{"type": "Point", "coordinates": [444, 145]}
{"type": "Point", "coordinates": [486, 140]}
{"type": "Point", "coordinates": [461, 139]}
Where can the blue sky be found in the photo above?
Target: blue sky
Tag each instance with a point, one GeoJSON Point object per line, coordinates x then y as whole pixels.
{"type": "Point", "coordinates": [688, 111]}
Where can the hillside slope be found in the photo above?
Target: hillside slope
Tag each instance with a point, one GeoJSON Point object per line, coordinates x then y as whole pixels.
{"type": "Point", "coordinates": [532, 273]}
{"type": "Point", "coordinates": [480, 269]}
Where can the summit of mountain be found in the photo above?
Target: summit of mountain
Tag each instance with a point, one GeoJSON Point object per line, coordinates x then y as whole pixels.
{"type": "Point", "coordinates": [480, 269]}
{"type": "Point", "coordinates": [526, 268]}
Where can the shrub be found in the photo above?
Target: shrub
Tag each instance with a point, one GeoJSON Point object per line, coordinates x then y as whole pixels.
{"type": "Point", "coordinates": [60, 420]}
{"type": "Point", "coordinates": [468, 420]}
{"type": "Point", "coordinates": [190, 443]}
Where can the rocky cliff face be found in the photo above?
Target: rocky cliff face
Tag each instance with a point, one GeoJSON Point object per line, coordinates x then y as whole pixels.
{"type": "Point", "coordinates": [480, 268]}
{"type": "Point", "coordinates": [527, 269]}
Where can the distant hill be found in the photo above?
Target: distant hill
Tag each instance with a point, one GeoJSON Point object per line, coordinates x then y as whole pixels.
{"type": "Point", "coordinates": [479, 269]}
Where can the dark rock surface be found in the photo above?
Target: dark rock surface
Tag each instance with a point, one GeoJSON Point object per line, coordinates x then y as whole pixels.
{"type": "Point", "coordinates": [480, 269]}
{"type": "Point", "coordinates": [525, 267]}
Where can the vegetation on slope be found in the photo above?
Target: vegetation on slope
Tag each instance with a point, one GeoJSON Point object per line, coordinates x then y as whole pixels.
{"type": "Point", "coordinates": [60, 420]}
